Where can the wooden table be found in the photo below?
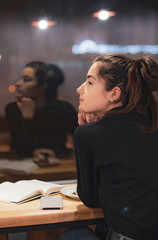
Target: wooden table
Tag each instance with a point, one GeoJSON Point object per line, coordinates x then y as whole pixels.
{"type": "Point", "coordinates": [28, 216]}
{"type": "Point", "coordinates": [65, 170]}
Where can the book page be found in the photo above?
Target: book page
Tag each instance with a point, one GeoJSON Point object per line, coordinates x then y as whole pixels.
{"type": "Point", "coordinates": [3, 163]}
{"type": "Point", "coordinates": [15, 192]}
{"type": "Point", "coordinates": [21, 167]}
{"type": "Point", "coordinates": [45, 187]}
{"type": "Point", "coordinates": [10, 192]}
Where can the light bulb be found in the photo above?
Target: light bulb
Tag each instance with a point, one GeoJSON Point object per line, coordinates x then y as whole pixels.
{"type": "Point", "coordinates": [43, 24]}
{"type": "Point", "coordinates": [103, 15]}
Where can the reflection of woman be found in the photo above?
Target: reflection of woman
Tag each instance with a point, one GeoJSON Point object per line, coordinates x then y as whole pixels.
{"type": "Point", "coordinates": [38, 122]}
{"type": "Point", "coordinates": [116, 147]}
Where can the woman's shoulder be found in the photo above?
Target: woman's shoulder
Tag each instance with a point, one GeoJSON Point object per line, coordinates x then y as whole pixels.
{"type": "Point", "coordinates": [11, 106]}
{"type": "Point", "coordinates": [88, 128]}
{"type": "Point", "coordinates": [108, 125]}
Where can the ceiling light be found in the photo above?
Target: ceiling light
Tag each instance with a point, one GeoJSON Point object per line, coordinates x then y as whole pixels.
{"type": "Point", "coordinates": [103, 14]}
{"type": "Point", "coordinates": [43, 24]}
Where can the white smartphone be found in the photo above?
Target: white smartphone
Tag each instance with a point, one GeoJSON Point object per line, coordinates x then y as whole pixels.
{"type": "Point", "coordinates": [51, 202]}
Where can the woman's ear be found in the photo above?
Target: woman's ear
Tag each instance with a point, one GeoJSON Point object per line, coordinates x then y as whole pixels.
{"type": "Point", "coordinates": [115, 94]}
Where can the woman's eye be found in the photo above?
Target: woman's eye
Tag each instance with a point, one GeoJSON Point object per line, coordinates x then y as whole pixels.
{"type": "Point", "coordinates": [89, 82]}
{"type": "Point", "coordinates": [27, 79]}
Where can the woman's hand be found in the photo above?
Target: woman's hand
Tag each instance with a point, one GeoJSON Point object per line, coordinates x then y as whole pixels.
{"type": "Point", "coordinates": [43, 156]}
{"type": "Point", "coordinates": [47, 151]}
{"type": "Point", "coordinates": [27, 107]}
{"type": "Point", "coordinates": [86, 117]}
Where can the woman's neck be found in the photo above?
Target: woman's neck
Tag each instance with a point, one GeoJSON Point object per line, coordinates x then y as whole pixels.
{"type": "Point", "coordinates": [103, 113]}
{"type": "Point", "coordinates": [40, 101]}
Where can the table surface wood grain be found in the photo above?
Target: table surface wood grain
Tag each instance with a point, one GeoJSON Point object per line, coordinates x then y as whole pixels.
{"type": "Point", "coordinates": [29, 213]}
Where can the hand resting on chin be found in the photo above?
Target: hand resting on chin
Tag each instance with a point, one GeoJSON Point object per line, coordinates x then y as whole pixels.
{"type": "Point", "coordinates": [27, 107]}
{"type": "Point", "coordinates": [86, 117]}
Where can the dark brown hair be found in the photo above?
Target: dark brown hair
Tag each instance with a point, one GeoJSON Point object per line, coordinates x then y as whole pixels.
{"type": "Point", "coordinates": [136, 79]}
{"type": "Point", "coordinates": [49, 75]}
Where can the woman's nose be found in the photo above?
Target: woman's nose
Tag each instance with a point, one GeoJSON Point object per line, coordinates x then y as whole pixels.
{"type": "Point", "coordinates": [80, 90]}
{"type": "Point", "coordinates": [18, 83]}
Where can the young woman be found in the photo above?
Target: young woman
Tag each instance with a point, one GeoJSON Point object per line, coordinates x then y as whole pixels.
{"type": "Point", "coordinates": [37, 121]}
{"type": "Point", "coordinates": [116, 147]}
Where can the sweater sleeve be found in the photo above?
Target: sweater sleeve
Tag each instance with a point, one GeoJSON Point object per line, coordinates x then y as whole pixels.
{"type": "Point", "coordinates": [86, 174]}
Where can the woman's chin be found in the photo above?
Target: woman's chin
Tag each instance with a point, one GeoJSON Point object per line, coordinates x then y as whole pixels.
{"type": "Point", "coordinates": [19, 94]}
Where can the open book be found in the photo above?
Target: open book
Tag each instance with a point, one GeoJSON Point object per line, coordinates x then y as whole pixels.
{"type": "Point", "coordinates": [26, 190]}
{"type": "Point", "coordinates": [18, 167]}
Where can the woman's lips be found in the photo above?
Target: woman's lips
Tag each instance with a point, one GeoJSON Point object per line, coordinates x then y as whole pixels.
{"type": "Point", "coordinates": [18, 92]}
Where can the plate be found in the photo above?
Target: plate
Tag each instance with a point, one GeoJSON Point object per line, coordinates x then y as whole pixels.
{"type": "Point", "coordinates": [70, 191]}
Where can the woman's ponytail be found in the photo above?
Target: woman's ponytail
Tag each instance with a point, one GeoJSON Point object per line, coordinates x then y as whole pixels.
{"type": "Point", "coordinates": [142, 80]}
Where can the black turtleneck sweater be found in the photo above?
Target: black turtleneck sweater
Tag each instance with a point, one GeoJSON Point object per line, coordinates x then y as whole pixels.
{"type": "Point", "coordinates": [117, 168]}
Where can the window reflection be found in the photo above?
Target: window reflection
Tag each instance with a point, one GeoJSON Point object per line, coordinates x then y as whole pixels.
{"type": "Point", "coordinates": [134, 24]}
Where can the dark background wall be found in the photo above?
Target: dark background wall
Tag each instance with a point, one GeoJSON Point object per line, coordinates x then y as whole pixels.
{"type": "Point", "coordinates": [134, 23]}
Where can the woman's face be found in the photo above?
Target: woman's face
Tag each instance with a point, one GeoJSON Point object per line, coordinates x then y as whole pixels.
{"type": "Point", "coordinates": [27, 85]}
{"type": "Point", "coordinates": [93, 95]}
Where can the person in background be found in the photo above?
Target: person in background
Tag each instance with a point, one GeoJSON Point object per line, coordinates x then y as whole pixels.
{"type": "Point", "coordinates": [37, 120]}
{"type": "Point", "coordinates": [116, 147]}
